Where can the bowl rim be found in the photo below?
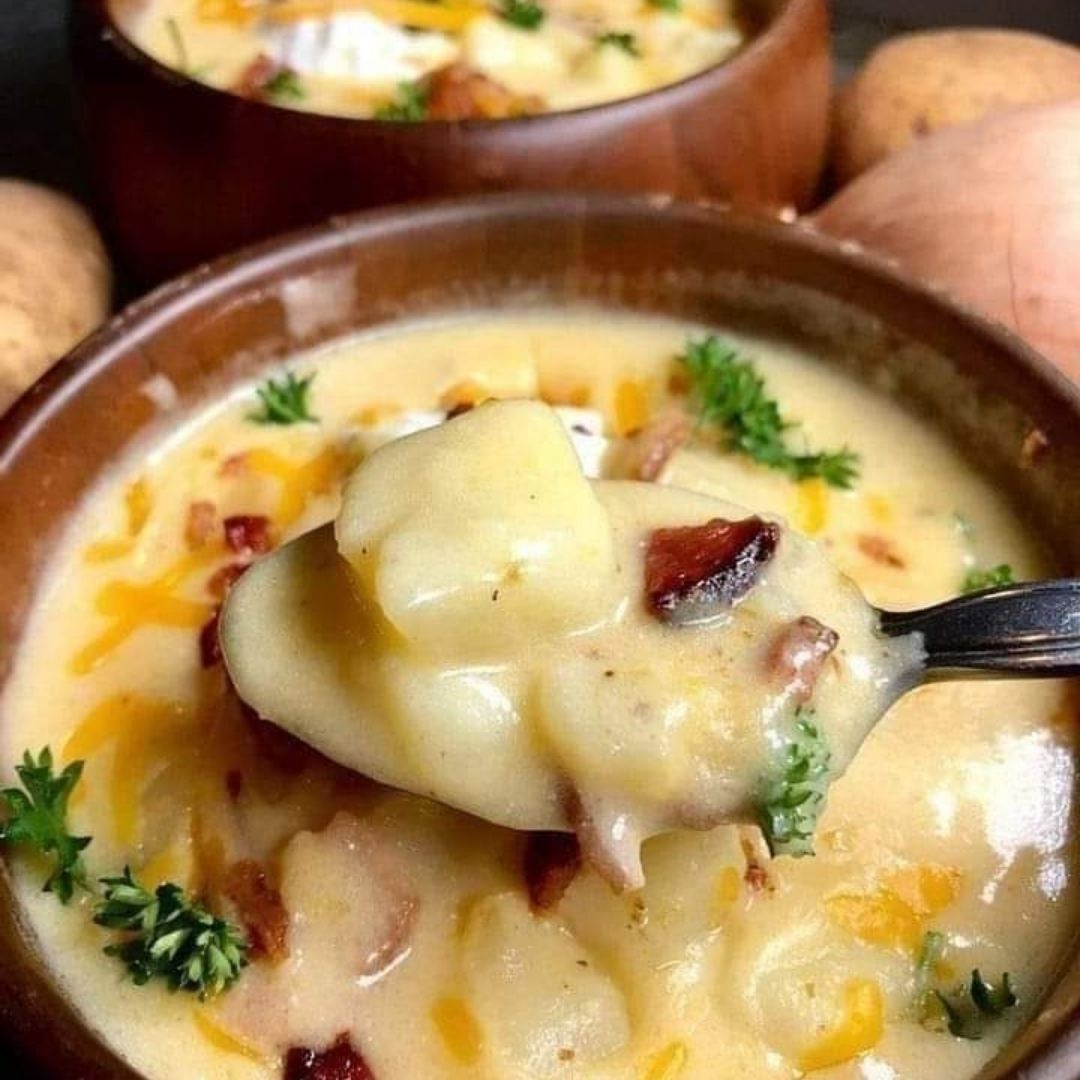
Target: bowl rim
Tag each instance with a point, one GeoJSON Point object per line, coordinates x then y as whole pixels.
{"type": "Point", "coordinates": [759, 50]}
{"type": "Point", "coordinates": [305, 249]}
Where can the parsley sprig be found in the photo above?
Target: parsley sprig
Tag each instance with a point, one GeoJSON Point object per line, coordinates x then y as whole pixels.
{"type": "Point", "coordinates": [167, 934]}
{"type": "Point", "coordinates": [619, 40]}
{"type": "Point", "coordinates": [977, 580]}
{"type": "Point", "coordinates": [793, 796]}
{"type": "Point", "coordinates": [284, 86]}
{"type": "Point", "coordinates": [524, 14]}
{"type": "Point", "coordinates": [284, 401]}
{"type": "Point", "coordinates": [37, 818]}
{"type": "Point", "coordinates": [967, 1009]}
{"type": "Point", "coordinates": [669, 6]}
{"type": "Point", "coordinates": [170, 937]}
{"type": "Point", "coordinates": [408, 106]}
{"type": "Point", "coordinates": [730, 394]}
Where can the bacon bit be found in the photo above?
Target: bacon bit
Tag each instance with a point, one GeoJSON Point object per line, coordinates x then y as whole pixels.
{"type": "Point", "coordinates": [798, 655]}
{"type": "Point", "coordinates": [248, 534]}
{"type": "Point", "coordinates": [550, 864]}
{"type": "Point", "coordinates": [1034, 448]}
{"type": "Point", "coordinates": [459, 409]}
{"type": "Point", "coordinates": [340, 1062]}
{"type": "Point", "coordinates": [457, 92]}
{"type": "Point", "coordinates": [693, 571]}
{"type": "Point", "coordinates": [261, 909]}
{"type": "Point", "coordinates": [254, 78]}
{"type": "Point", "coordinates": [235, 465]}
{"type": "Point", "coordinates": [209, 643]}
{"type": "Point", "coordinates": [224, 578]}
{"type": "Point", "coordinates": [756, 852]}
{"type": "Point", "coordinates": [202, 519]}
{"type": "Point", "coordinates": [646, 452]}
{"type": "Point", "coordinates": [880, 550]}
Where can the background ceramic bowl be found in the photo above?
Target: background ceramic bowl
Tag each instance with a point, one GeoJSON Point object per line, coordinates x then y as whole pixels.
{"type": "Point", "coordinates": [184, 172]}
{"type": "Point", "coordinates": [221, 324]}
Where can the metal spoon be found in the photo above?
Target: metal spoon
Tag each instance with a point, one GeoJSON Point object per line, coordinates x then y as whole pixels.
{"type": "Point", "coordinates": [1028, 629]}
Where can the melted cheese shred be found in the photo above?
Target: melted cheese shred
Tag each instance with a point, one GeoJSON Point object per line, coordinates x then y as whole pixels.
{"type": "Point", "coordinates": [408, 924]}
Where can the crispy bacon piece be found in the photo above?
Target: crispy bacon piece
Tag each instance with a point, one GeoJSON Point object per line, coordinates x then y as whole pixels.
{"type": "Point", "coordinates": [254, 78]}
{"type": "Point", "coordinates": [209, 643]}
{"type": "Point", "coordinates": [694, 571]}
{"type": "Point", "coordinates": [248, 535]}
{"type": "Point", "coordinates": [880, 550]}
{"type": "Point", "coordinates": [261, 909]}
{"type": "Point", "coordinates": [644, 454]}
{"type": "Point", "coordinates": [550, 863]}
{"type": "Point", "coordinates": [798, 654]}
{"type": "Point", "coordinates": [202, 521]}
{"type": "Point", "coordinates": [339, 1062]}
{"type": "Point", "coordinates": [224, 578]}
{"type": "Point", "coordinates": [459, 409]}
{"type": "Point", "coordinates": [457, 92]}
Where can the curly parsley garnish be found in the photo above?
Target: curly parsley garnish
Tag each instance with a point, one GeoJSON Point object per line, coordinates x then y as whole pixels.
{"type": "Point", "coordinates": [171, 937]}
{"type": "Point", "coordinates": [967, 1009]}
{"type": "Point", "coordinates": [670, 6]}
{"type": "Point", "coordinates": [730, 394]}
{"type": "Point", "coordinates": [284, 86]}
{"type": "Point", "coordinates": [524, 14]}
{"type": "Point", "coordinates": [793, 796]}
{"type": "Point", "coordinates": [37, 818]}
{"type": "Point", "coordinates": [284, 401]}
{"type": "Point", "coordinates": [977, 580]}
{"type": "Point", "coordinates": [167, 934]}
{"type": "Point", "coordinates": [409, 105]}
{"type": "Point", "coordinates": [619, 40]}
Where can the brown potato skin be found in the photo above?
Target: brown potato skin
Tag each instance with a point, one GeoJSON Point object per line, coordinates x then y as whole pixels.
{"type": "Point", "coordinates": [917, 84]}
{"type": "Point", "coordinates": [55, 282]}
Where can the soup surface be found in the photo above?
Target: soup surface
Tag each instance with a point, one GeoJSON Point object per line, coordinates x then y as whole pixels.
{"type": "Point", "coordinates": [393, 937]}
{"type": "Point", "coordinates": [411, 60]}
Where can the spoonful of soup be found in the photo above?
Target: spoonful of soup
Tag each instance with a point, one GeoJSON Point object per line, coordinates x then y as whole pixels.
{"type": "Point", "coordinates": [485, 626]}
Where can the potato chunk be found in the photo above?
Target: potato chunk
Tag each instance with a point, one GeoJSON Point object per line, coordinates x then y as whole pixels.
{"type": "Point", "coordinates": [480, 535]}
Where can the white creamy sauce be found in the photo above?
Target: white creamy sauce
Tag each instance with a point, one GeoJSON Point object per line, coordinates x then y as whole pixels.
{"type": "Point", "coordinates": [408, 926]}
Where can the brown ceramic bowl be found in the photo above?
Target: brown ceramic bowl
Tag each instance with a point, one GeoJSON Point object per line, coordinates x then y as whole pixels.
{"type": "Point", "coordinates": [984, 389]}
{"type": "Point", "coordinates": [184, 172]}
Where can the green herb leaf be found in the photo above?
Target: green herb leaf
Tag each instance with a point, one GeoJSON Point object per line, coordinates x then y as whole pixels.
{"type": "Point", "coordinates": [37, 818]}
{"type": "Point", "coordinates": [409, 105]}
{"type": "Point", "coordinates": [670, 6]}
{"type": "Point", "coordinates": [284, 401]}
{"type": "Point", "coordinates": [730, 394]}
{"type": "Point", "coordinates": [626, 42]}
{"type": "Point", "coordinates": [793, 797]}
{"type": "Point", "coordinates": [284, 86]}
{"type": "Point", "coordinates": [977, 580]}
{"type": "Point", "coordinates": [183, 59]}
{"type": "Point", "coordinates": [524, 14]}
{"type": "Point", "coordinates": [966, 1011]}
{"type": "Point", "coordinates": [170, 937]}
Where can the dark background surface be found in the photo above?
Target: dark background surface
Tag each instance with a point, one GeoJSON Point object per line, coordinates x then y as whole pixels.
{"type": "Point", "coordinates": [37, 136]}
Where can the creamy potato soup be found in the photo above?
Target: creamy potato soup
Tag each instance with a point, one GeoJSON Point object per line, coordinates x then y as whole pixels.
{"type": "Point", "coordinates": [395, 600]}
{"type": "Point", "coordinates": [411, 60]}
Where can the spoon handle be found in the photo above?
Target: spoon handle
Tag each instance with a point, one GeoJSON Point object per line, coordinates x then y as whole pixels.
{"type": "Point", "coordinates": [1031, 628]}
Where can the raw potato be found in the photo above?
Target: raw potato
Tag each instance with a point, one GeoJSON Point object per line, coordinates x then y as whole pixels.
{"type": "Point", "coordinates": [920, 83]}
{"type": "Point", "coordinates": [990, 212]}
{"type": "Point", "coordinates": [54, 282]}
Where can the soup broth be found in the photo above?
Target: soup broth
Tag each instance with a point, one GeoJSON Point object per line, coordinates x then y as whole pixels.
{"type": "Point", "coordinates": [429, 943]}
{"type": "Point", "coordinates": [411, 60]}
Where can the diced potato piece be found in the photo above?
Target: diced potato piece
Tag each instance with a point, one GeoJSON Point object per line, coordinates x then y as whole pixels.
{"type": "Point", "coordinates": [546, 1008]}
{"type": "Point", "coordinates": [525, 62]}
{"type": "Point", "coordinates": [481, 534]}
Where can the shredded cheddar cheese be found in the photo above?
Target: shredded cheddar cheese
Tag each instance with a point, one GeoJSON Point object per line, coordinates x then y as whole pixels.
{"type": "Point", "coordinates": [449, 15]}
{"type": "Point", "coordinates": [221, 1039]}
{"type": "Point", "coordinates": [459, 1029]}
{"type": "Point", "coordinates": [667, 1064]}
{"type": "Point", "coordinates": [631, 406]}
{"type": "Point", "coordinates": [858, 1030]}
{"type": "Point", "coordinates": [812, 507]}
{"type": "Point", "coordinates": [298, 482]}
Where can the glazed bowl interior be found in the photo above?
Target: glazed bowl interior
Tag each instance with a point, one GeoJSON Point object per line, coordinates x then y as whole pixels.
{"type": "Point", "coordinates": [174, 352]}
